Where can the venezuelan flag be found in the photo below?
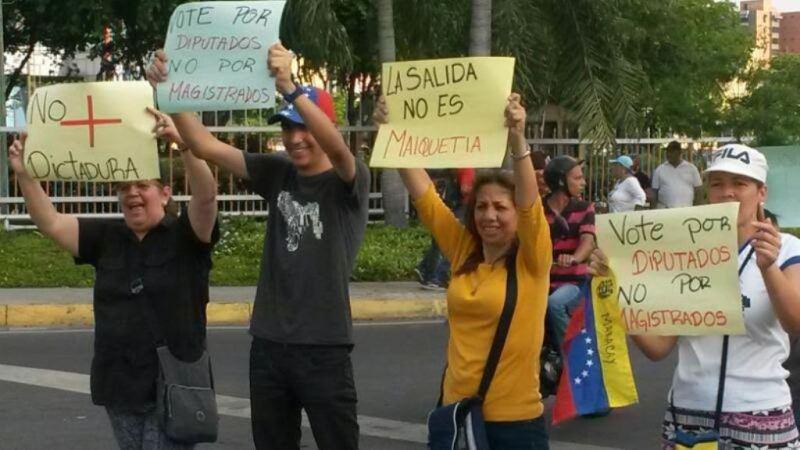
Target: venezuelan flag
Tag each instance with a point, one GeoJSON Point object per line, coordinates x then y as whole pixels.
{"type": "Point", "coordinates": [597, 371]}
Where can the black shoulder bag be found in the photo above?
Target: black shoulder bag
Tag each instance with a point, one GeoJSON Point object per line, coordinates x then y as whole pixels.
{"type": "Point", "coordinates": [709, 439]}
{"type": "Point", "coordinates": [185, 400]}
{"type": "Point", "coordinates": [460, 425]}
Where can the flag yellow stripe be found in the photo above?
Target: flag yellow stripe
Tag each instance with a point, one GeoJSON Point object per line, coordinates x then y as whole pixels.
{"type": "Point", "coordinates": [612, 343]}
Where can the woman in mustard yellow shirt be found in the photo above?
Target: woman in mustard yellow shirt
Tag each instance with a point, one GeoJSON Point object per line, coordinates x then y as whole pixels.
{"type": "Point", "coordinates": [505, 224]}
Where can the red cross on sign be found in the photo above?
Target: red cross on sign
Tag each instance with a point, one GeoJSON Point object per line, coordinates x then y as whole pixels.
{"type": "Point", "coordinates": [90, 121]}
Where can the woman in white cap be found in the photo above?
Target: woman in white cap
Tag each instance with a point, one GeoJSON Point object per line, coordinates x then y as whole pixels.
{"type": "Point", "coordinates": [627, 192]}
{"type": "Point", "coordinates": [732, 390]}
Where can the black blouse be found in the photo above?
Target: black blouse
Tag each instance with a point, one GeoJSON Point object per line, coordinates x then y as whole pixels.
{"type": "Point", "coordinates": [166, 272]}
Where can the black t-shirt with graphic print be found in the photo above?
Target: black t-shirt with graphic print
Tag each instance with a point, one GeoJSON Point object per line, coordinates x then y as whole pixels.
{"type": "Point", "coordinates": [315, 227]}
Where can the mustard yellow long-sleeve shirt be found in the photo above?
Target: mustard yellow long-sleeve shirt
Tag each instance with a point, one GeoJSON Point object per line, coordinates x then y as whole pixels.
{"type": "Point", "coordinates": [474, 303]}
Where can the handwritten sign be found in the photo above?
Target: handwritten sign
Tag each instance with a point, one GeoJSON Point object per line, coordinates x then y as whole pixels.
{"type": "Point", "coordinates": [676, 269]}
{"type": "Point", "coordinates": [218, 56]}
{"type": "Point", "coordinates": [444, 113]}
{"type": "Point", "coordinates": [91, 132]}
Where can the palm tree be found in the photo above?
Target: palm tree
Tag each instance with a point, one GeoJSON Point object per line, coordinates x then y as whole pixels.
{"type": "Point", "coordinates": [393, 191]}
{"type": "Point", "coordinates": [480, 30]}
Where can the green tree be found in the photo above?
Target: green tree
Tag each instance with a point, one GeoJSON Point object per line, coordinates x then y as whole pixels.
{"type": "Point", "coordinates": [47, 22]}
{"type": "Point", "coordinates": [394, 194]}
{"type": "Point", "coordinates": [690, 50]}
{"type": "Point", "coordinates": [480, 29]}
{"type": "Point", "coordinates": [139, 27]}
{"type": "Point", "coordinates": [771, 111]}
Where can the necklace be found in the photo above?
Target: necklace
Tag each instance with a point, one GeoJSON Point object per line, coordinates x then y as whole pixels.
{"type": "Point", "coordinates": [476, 280]}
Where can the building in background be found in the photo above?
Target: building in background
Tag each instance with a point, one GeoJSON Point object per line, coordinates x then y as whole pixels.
{"type": "Point", "coordinates": [764, 22]}
{"type": "Point", "coordinates": [790, 32]}
{"type": "Point", "coordinates": [45, 67]}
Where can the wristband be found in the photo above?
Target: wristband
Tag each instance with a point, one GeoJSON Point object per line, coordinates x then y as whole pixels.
{"type": "Point", "coordinates": [291, 97]}
{"type": "Point", "coordinates": [524, 155]}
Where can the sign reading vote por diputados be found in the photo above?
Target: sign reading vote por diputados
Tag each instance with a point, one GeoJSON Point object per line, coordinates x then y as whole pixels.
{"type": "Point", "coordinates": [444, 113]}
{"type": "Point", "coordinates": [92, 132]}
{"type": "Point", "coordinates": [676, 269]}
{"type": "Point", "coordinates": [217, 54]}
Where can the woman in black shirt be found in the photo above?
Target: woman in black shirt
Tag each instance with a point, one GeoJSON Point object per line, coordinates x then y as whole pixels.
{"type": "Point", "coordinates": [151, 283]}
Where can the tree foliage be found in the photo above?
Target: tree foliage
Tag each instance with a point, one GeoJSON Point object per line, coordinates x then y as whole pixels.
{"type": "Point", "coordinates": [47, 22]}
{"type": "Point", "coordinates": [771, 111]}
{"type": "Point", "coordinates": [617, 65]}
{"type": "Point", "coordinates": [690, 51]}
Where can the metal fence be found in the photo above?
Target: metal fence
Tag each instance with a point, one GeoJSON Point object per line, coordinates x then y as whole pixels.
{"type": "Point", "coordinates": [92, 199]}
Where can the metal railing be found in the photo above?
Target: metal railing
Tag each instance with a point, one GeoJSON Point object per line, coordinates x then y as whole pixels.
{"type": "Point", "coordinates": [93, 199]}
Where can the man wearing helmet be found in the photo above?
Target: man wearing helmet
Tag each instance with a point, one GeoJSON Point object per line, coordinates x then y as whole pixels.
{"type": "Point", "coordinates": [571, 222]}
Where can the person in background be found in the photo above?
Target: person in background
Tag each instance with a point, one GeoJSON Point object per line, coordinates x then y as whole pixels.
{"type": "Point", "coordinates": [756, 409]}
{"type": "Point", "coordinates": [571, 222]}
{"type": "Point", "coordinates": [540, 160]}
{"type": "Point", "coordinates": [792, 363]}
{"type": "Point", "coordinates": [433, 270]}
{"type": "Point", "coordinates": [676, 182]}
{"type": "Point", "coordinates": [626, 194]}
{"type": "Point", "coordinates": [644, 179]}
{"type": "Point", "coordinates": [152, 264]}
{"type": "Point", "coordinates": [466, 181]}
{"type": "Point", "coordinates": [505, 225]}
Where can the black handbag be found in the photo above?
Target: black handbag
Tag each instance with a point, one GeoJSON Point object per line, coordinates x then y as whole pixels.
{"type": "Point", "coordinates": [186, 403]}
{"type": "Point", "coordinates": [460, 425]}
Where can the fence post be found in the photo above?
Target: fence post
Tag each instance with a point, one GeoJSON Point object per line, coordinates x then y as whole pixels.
{"type": "Point", "coordinates": [4, 188]}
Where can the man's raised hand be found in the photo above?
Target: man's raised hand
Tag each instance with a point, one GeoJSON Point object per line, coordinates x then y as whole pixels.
{"type": "Point", "coordinates": [157, 71]}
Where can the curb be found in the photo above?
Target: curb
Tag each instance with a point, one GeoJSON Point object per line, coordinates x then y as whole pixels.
{"type": "Point", "coordinates": [217, 313]}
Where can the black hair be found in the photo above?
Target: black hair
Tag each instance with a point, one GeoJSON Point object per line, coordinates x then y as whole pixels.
{"type": "Point", "coordinates": [504, 179]}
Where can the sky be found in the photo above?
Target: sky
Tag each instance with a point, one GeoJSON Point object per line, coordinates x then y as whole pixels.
{"type": "Point", "coordinates": [784, 5]}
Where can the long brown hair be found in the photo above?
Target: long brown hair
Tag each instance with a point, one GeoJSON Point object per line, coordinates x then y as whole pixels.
{"type": "Point", "coordinates": [504, 179]}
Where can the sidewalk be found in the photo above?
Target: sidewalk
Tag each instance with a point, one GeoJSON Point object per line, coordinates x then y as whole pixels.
{"type": "Point", "coordinates": [72, 307]}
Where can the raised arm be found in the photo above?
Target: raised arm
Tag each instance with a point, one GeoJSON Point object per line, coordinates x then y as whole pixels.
{"type": "Point", "coordinates": [782, 282]}
{"type": "Point", "coordinates": [201, 142]}
{"type": "Point", "coordinates": [317, 123]}
{"type": "Point", "coordinates": [61, 228]}
{"type": "Point", "coordinates": [655, 348]}
{"type": "Point", "coordinates": [527, 190]}
{"type": "Point", "coordinates": [202, 208]}
{"type": "Point", "coordinates": [417, 181]}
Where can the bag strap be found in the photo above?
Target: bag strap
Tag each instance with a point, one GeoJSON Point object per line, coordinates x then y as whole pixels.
{"type": "Point", "coordinates": [503, 326]}
{"type": "Point", "coordinates": [723, 364]}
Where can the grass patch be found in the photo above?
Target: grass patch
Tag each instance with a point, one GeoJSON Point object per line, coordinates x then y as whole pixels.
{"type": "Point", "coordinates": [387, 254]}
{"type": "Point", "coordinates": [31, 260]}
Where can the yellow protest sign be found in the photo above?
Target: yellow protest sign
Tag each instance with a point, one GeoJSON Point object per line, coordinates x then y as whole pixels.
{"type": "Point", "coordinates": [91, 132]}
{"type": "Point", "coordinates": [444, 113]}
{"type": "Point", "coordinates": [676, 269]}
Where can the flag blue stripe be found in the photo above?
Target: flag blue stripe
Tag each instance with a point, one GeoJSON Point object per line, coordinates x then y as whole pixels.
{"type": "Point", "coordinates": [585, 370]}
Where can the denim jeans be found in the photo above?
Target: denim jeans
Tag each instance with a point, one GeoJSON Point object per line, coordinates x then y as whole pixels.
{"type": "Point", "coordinates": [434, 267]}
{"type": "Point", "coordinates": [141, 431]}
{"type": "Point", "coordinates": [559, 306]}
{"type": "Point", "coordinates": [285, 378]}
{"type": "Point", "coordinates": [522, 435]}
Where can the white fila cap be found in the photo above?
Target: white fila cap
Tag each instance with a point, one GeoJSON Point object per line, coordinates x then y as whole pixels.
{"type": "Point", "coordinates": [741, 160]}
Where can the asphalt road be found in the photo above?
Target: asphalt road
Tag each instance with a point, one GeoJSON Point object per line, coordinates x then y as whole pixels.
{"type": "Point", "coordinates": [397, 370]}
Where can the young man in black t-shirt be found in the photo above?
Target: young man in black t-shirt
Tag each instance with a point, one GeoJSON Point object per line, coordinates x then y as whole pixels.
{"type": "Point", "coordinates": [301, 324]}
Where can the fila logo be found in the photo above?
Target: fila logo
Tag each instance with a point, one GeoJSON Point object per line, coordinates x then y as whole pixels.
{"type": "Point", "coordinates": [728, 152]}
